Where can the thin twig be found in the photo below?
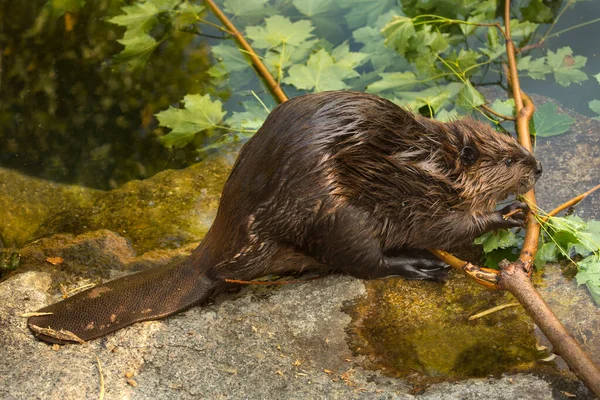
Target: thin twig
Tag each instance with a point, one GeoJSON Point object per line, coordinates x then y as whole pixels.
{"type": "Point", "coordinates": [256, 62]}
{"type": "Point", "coordinates": [556, 20]}
{"type": "Point", "coordinates": [570, 203]}
{"type": "Point", "coordinates": [34, 314]}
{"type": "Point", "coordinates": [492, 310]}
{"type": "Point", "coordinates": [286, 282]}
{"type": "Point", "coordinates": [101, 396]}
{"type": "Point", "coordinates": [489, 110]}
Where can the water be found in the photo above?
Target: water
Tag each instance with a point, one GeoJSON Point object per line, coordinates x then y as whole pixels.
{"type": "Point", "coordinates": [70, 113]}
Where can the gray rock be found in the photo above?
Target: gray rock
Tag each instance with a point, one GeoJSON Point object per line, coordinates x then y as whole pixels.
{"type": "Point", "coordinates": [278, 342]}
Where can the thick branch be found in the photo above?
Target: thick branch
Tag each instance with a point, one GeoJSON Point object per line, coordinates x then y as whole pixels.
{"type": "Point", "coordinates": [514, 277]}
{"type": "Point", "coordinates": [515, 280]}
{"type": "Point", "coordinates": [256, 62]}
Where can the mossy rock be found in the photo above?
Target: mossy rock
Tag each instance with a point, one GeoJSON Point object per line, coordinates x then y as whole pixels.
{"type": "Point", "coordinates": [171, 209]}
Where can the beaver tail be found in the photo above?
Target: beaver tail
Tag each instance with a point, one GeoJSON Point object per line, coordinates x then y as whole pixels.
{"type": "Point", "coordinates": [148, 295]}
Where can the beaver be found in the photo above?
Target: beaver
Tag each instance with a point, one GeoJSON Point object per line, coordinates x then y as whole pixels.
{"type": "Point", "coordinates": [339, 181]}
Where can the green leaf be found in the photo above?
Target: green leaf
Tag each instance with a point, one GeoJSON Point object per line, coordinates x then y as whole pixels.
{"type": "Point", "coordinates": [548, 252]}
{"type": "Point", "coordinates": [398, 33]}
{"type": "Point", "coordinates": [548, 122]}
{"type": "Point", "coordinates": [521, 29]}
{"type": "Point", "coordinates": [588, 239]}
{"type": "Point", "coordinates": [597, 76]}
{"type": "Point", "coordinates": [494, 47]}
{"type": "Point", "coordinates": [366, 12]}
{"type": "Point", "coordinates": [137, 49]}
{"type": "Point", "coordinates": [165, 5]}
{"type": "Point", "coordinates": [493, 258]}
{"type": "Point", "coordinates": [566, 67]}
{"type": "Point", "coordinates": [501, 239]}
{"type": "Point", "coordinates": [279, 30]}
{"type": "Point", "coordinates": [380, 56]}
{"type": "Point", "coordinates": [322, 72]}
{"type": "Point", "coordinates": [506, 107]}
{"type": "Point", "coordinates": [251, 119]}
{"type": "Point", "coordinates": [595, 107]}
{"type": "Point", "coordinates": [589, 274]}
{"type": "Point", "coordinates": [139, 19]}
{"type": "Point", "coordinates": [428, 41]}
{"type": "Point", "coordinates": [247, 10]}
{"type": "Point", "coordinates": [312, 8]}
{"type": "Point", "coordinates": [186, 14]}
{"type": "Point", "coordinates": [468, 29]}
{"type": "Point", "coordinates": [536, 69]}
{"type": "Point", "coordinates": [464, 60]}
{"type": "Point", "coordinates": [434, 97]}
{"type": "Point", "coordinates": [571, 223]}
{"type": "Point", "coordinates": [393, 80]}
{"type": "Point", "coordinates": [469, 97]}
{"type": "Point", "coordinates": [536, 11]}
{"type": "Point", "coordinates": [447, 116]}
{"type": "Point", "coordinates": [199, 113]}
{"type": "Point", "coordinates": [231, 58]}
{"type": "Point", "coordinates": [347, 59]}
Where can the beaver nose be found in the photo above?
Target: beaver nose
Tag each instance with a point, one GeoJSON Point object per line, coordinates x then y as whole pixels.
{"type": "Point", "coordinates": [538, 169]}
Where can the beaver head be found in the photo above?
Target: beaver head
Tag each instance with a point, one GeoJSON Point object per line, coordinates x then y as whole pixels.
{"type": "Point", "coordinates": [486, 166]}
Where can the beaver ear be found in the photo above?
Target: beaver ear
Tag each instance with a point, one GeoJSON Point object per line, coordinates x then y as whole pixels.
{"type": "Point", "coordinates": [468, 155]}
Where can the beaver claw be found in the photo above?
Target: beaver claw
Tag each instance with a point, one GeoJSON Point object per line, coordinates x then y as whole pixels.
{"type": "Point", "coordinates": [417, 266]}
{"type": "Point", "coordinates": [512, 216]}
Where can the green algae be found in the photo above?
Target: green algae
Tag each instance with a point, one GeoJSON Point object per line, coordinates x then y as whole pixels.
{"type": "Point", "coordinates": [420, 331]}
{"type": "Point", "coordinates": [26, 202]}
{"type": "Point", "coordinates": [169, 210]}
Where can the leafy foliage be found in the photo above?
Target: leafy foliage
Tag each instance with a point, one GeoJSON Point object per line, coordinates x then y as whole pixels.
{"type": "Point", "coordinates": [595, 107]}
{"type": "Point", "coordinates": [324, 71]}
{"type": "Point", "coordinates": [571, 237]}
{"type": "Point", "coordinates": [498, 246]}
{"type": "Point", "coordinates": [563, 238]}
{"type": "Point", "coordinates": [565, 67]}
{"type": "Point", "coordinates": [140, 18]}
{"type": "Point", "coordinates": [548, 122]}
{"type": "Point", "coordinates": [423, 55]}
{"type": "Point", "coordinates": [199, 113]}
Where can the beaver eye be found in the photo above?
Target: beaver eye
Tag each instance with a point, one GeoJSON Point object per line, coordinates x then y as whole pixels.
{"type": "Point", "coordinates": [509, 162]}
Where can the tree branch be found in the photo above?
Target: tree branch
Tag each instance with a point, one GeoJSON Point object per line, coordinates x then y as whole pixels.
{"type": "Point", "coordinates": [261, 69]}
{"type": "Point", "coordinates": [514, 277]}
{"type": "Point", "coordinates": [570, 203]}
{"type": "Point", "coordinates": [490, 111]}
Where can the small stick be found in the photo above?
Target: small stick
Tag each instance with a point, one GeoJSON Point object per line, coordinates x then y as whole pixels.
{"type": "Point", "coordinates": [489, 110]}
{"type": "Point", "coordinates": [510, 214]}
{"type": "Point", "coordinates": [34, 314]}
{"type": "Point", "coordinates": [570, 203]}
{"type": "Point", "coordinates": [492, 310]}
{"type": "Point", "coordinates": [241, 282]}
{"type": "Point", "coordinates": [101, 397]}
{"type": "Point", "coordinates": [62, 334]}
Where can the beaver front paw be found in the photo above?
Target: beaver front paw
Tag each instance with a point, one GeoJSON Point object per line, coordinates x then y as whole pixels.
{"type": "Point", "coordinates": [513, 215]}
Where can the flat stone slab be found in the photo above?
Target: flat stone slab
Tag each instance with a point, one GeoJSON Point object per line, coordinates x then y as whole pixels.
{"type": "Point", "coordinates": [276, 342]}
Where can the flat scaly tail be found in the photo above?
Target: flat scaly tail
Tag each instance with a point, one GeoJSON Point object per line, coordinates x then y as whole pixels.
{"type": "Point", "coordinates": [144, 296]}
